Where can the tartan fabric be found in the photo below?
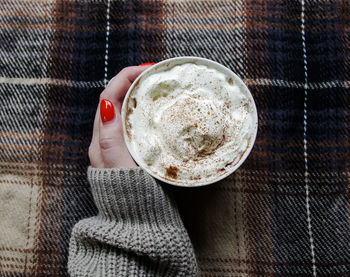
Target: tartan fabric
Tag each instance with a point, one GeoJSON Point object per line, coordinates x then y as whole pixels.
{"type": "Point", "coordinates": [285, 212]}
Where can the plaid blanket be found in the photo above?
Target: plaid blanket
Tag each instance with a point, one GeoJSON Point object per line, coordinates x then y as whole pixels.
{"type": "Point", "coordinates": [285, 212]}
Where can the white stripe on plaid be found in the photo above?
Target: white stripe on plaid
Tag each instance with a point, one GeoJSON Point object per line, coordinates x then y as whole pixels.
{"type": "Point", "coordinates": [307, 200]}
{"type": "Point", "coordinates": [107, 39]}
{"type": "Point", "coordinates": [294, 84]}
{"type": "Point", "coordinates": [248, 82]}
{"type": "Point", "coordinates": [319, 178]}
{"type": "Point", "coordinates": [50, 81]}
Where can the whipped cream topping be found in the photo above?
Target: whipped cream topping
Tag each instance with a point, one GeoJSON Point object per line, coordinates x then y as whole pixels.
{"type": "Point", "coordinates": [189, 124]}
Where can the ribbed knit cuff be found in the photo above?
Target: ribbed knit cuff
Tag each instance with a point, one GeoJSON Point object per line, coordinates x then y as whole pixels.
{"type": "Point", "coordinates": [131, 194]}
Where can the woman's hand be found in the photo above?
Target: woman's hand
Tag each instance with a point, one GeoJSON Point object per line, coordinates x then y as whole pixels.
{"type": "Point", "coordinates": [107, 148]}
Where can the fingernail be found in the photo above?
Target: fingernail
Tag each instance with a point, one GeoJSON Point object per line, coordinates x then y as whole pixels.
{"type": "Point", "coordinates": [144, 64]}
{"type": "Point", "coordinates": [106, 110]}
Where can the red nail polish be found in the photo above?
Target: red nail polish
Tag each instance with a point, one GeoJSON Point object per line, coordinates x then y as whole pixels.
{"type": "Point", "coordinates": [144, 64]}
{"type": "Point", "coordinates": [106, 110]}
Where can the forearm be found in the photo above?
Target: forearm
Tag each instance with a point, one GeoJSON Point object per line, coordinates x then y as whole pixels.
{"type": "Point", "coordinates": [138, 231]}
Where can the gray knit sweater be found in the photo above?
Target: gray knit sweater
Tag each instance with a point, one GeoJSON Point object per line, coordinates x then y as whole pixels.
{"type": "Point", "coordinates": [137, 232]}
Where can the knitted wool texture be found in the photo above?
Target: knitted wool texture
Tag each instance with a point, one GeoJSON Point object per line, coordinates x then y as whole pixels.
{"type": "Point", "coordinates": [137, 232]}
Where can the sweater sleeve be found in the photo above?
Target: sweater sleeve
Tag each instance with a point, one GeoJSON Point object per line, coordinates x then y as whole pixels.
{"type": "Point", "coordinates": [137, 232]}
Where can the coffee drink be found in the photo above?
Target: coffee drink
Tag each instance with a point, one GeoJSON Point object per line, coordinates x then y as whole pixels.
{"type": "Point", "coordinates": [190, 123]}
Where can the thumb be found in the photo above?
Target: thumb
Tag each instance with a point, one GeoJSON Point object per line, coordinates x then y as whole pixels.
{"type": "Point", "coordinates": [113, 149]}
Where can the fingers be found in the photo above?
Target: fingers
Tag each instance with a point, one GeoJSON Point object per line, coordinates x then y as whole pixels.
{"type": "Point", "coordinates": [119, 85]}
{"type": "Point", "coordinates": [111, 141]}
{"type": "Point", "coordinates": [107, 148]}
{"type": "Point", "coordinates": [96, 127]}
{"type": "Point", "coordinates": [94, 149]}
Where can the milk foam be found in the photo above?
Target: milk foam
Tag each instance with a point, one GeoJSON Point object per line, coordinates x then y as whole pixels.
{"type": "Point", "coordinates": [190, 124]}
